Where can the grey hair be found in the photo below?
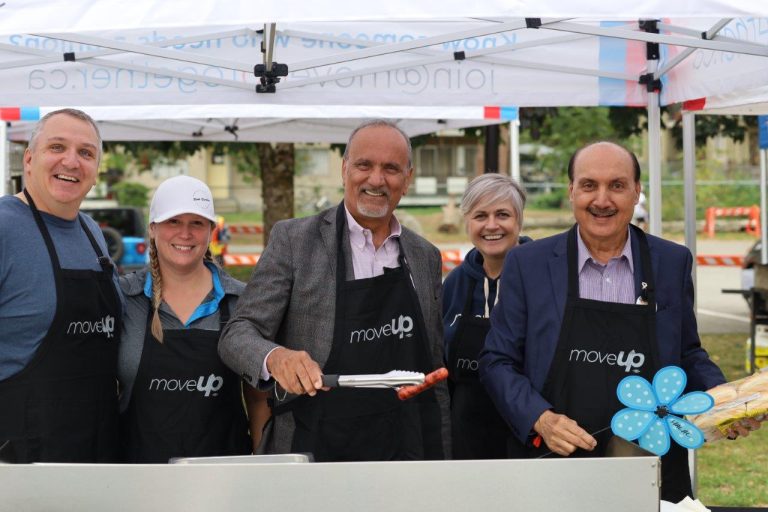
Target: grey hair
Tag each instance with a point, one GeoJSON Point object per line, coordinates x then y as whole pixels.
{"type": "Point", "coordinates": [493, 188]}
{"type": "Point", "coordinates": [381, 123]}
{"type": "Point", "coordinates": [71, 112]}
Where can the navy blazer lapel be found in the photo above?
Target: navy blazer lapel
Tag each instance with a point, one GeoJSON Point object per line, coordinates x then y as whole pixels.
{"type": "Point", "coordinates": [655, 264]}
{"type": "Point", "coordinates": [558, 274]}
{"type": "Point", "coordinates": [637, 266]}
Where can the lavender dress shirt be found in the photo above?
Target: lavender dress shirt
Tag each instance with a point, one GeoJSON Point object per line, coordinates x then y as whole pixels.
{"type": "Point", "coordinates": [613, 282]}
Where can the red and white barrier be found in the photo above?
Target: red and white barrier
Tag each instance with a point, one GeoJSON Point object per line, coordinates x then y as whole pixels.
{"type": "Point", "coordinates": [452, 259]}
{"type": "Point", "coordinates": [241, 260]}
{"type": "Point", "coordinates": [246, 229]}
{"type": "Point", "coordinates": [752, 213]}
{"type": "Point", "coordinates": [720, 261]}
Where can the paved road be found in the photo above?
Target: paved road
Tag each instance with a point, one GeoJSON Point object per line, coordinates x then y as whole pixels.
{"type": "Point", "coordinates": [716, 312]}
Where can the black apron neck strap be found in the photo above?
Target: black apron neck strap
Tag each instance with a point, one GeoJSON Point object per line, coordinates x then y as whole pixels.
{"type": "Point", "coordinates": [572, 255]}
{"type": "Point", "coordinates": [467, 311]}
{"type": "Point", "coordinates": [648, 285]}
{"type": "Point", "coordinates": [150, 313]}
{"type": "Point", "coordinates": [223, 312]}
{"type": "Point", "coordinates": [341, 223]}
{"type": "Point", "coordinates": [44, 231]}
{"type": "Point", "coordinates": [104, 261]}
{"type": "Point", "coordinates": [91, 239]}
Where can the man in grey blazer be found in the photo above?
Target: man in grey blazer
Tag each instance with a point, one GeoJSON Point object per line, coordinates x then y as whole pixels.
{"type": "Point", "coordinates": [320, 283]}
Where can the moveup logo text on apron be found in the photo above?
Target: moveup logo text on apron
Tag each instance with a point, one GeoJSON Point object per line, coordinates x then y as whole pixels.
{"type": "Point", "coordinates": [398, 327]}
{"type": "Point", "coordinates": [104, 325]}
{"type": "Point", "coordinates": [631, 361]}
{"type": "Point", "coordinates": [462, 363]}
{"type": "Point", "coordinates": [207, 387]}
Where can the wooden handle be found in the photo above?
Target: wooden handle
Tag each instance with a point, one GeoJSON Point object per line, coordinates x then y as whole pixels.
{"type": "Point", "coordinates": [430, 380]}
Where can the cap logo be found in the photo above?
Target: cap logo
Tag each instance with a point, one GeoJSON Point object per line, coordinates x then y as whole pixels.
{"type": "Point", "coordinates": [201, 198]}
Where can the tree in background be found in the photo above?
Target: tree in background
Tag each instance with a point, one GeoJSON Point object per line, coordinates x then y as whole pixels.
{"type": "Point", "coordinates": [544, 124]}
{"type": "Point", "coordinates": [628, 121]}
{"type": "Point", "coordinates": [130, 194]}
{"type": "Point", "coordinates": [564, 130]}
{"type": "Point", "coordinates": [115, 162]}
{"type": "Point", "coordinates": [277, 184]}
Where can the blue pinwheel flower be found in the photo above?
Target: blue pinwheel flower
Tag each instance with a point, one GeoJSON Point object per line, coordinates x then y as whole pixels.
{"type": "Point", "coordinates": [651, 411]}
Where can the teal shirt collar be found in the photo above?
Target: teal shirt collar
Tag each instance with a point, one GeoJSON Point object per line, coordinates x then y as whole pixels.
{"type": "Point", "coordinates": [206, 308]}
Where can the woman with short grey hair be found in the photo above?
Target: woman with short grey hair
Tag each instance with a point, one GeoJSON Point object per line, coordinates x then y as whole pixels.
{"type": "Point", "coordinates": [492, 207]}
{"type": "Point", "coordinates": [493, 188]}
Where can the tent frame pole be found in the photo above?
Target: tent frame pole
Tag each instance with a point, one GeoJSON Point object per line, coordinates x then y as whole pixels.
{"type": "Point", "coordinates": [5, 168]}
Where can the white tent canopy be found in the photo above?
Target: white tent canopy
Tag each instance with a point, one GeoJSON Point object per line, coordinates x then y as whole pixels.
{"type": "Point", "coordinates": [397, 55]}
{"type": "Point", "coordinates": [747, 103]}
{"type": "Point", "coordinates": [259, 123]}
{"type": "Point", "coordinates": [466, 61]}
{"type": "Point", "coordinates": [74, 16]}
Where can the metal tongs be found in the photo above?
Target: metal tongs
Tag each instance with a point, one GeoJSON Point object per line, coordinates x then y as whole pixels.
{"type": "Point", "coordinates": [394, 379]}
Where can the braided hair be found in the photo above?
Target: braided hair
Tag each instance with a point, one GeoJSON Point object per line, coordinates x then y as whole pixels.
{"type": "Point", "coordinates": [157, 290]}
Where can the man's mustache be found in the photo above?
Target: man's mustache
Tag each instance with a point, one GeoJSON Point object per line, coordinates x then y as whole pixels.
{"type": "Point", "coordinates": [602, 212]}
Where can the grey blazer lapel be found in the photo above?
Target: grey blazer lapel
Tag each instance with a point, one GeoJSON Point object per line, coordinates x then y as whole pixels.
{"type": "Point", "coordinates": [420, 261]}
{"type": "Point", "coordinates": [558, 274]}
{"type": "Point", "coordinates": [328, 235]}
{"type": "Point", "coordinates": [419, 264]}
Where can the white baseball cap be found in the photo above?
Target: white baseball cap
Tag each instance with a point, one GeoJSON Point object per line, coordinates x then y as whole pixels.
{"type": "Point", "coordinates": [179, 195]}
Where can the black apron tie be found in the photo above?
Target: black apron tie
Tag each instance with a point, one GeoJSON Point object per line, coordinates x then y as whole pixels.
{"type": "Point", "coordinates": [378, 327]}
{"type": "Point", "coordinates": [185, 402]}
{"type": "Point", "coordinates": [62, 407]}
{"type": "Point", "coordinates": [477, 429]}
{"type": "Point", "coordinates": [600, 344]}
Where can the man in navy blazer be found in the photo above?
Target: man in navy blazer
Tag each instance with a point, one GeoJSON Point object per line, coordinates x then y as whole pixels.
{"type": "Point", "coordinates": [521, 343]}
{"type": "Point", "coordinates": [528, 363]}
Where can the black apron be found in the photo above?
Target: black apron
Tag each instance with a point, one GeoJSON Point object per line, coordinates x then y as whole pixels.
{"type": "Point", "coordinates": [378, 327]}
{"type": "Point", "coordinates": [63, 406]}
{"type": "Point", "coordinates": [477, 429]}
{"type": "Point", "coordinates": [584, 374]}
{"type": "Point", "coordinates": [185, 402]}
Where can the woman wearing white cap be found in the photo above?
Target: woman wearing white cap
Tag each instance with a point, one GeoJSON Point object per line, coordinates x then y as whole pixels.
{"type": "Point", "coordinates": [177, 399]}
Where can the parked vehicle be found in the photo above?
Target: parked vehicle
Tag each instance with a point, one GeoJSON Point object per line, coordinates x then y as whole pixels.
{"type": "Point", "coordinates": [751, 259]}
{"type": "Point", "coordinates": [125, 233]}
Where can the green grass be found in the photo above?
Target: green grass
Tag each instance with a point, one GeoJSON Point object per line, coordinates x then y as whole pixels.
{"type": "Point", "coordinates": [243, 217]}
{"type": "Point", "coordinates": [241, 273]}
{"type": "Point", "coordinates": [733, 473]}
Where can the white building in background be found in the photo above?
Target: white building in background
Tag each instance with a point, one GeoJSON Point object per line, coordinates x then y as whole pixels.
{"type": "Point", "coordinates": [443, 166]}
